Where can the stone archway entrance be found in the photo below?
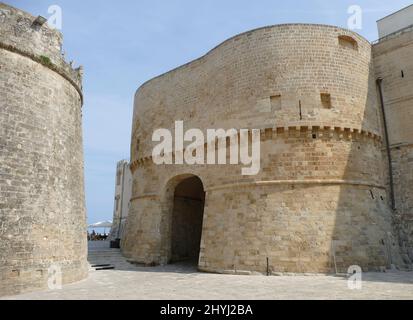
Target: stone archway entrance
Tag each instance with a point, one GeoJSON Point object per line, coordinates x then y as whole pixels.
{"type": "Point", "coordinates": [187, 218]}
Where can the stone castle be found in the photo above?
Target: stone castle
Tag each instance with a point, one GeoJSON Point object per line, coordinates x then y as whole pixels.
{"type": "Point", "coordinates": [42, 209]}
{"type": "Point", "coordinates": [336, 182]}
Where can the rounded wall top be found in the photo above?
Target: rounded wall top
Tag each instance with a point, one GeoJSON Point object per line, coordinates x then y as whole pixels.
{"type": "Point", "coordinates": [274, 77]}
{"type": "Point", "coordinates": [20, 33]}
{"type": "Point", "coordinates": [292, 26]}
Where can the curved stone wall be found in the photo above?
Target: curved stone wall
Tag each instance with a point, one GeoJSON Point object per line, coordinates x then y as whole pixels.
{"type": "Point", "coordinates": [319, 200]}
{"type": "Point", "coordinates": [42, 212]}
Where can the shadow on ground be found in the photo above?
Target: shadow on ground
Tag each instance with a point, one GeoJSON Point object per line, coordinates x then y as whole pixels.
{"type": "Point", "coordinates": [101, 254]}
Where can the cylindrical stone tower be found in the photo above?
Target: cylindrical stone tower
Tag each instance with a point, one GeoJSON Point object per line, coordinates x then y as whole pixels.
{"type": "Point", "coordinates": [319, 202]}
{"type": "Point", "coordinates": [42, 211]}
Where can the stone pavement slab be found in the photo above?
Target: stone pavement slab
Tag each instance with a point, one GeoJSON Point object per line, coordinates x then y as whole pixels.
{"type": "Point", "coordinates": [184, 282]}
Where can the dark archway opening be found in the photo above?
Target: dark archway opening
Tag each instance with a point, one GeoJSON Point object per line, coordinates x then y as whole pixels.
{"type": "Point", "coordinates": [187, 217]}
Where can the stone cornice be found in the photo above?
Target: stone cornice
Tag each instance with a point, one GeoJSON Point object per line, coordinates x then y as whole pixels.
{"type": "Point", "coordinates": [269, 183]}
{"type": "Point", "coordinates": [291, 130]}
{"type": "Point", "coordinates": [60, 71]}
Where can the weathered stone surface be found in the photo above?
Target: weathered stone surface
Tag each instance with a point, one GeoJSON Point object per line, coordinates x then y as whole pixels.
{"type": "Point", "coordinates": [394, 64]}
{"type": "Point", "coordinates": [319, 202]}
{"type": "Point", "coordinates": [42, 212]}
{"type": "Point", "coordinates": [183, 282]}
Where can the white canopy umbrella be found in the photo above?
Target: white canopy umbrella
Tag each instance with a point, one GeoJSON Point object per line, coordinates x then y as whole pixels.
{"type": "Point", "coordinates": [101, 225]}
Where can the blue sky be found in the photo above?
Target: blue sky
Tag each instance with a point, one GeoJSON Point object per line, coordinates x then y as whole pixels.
{"type": "Point", "coordinates": [121, 44]}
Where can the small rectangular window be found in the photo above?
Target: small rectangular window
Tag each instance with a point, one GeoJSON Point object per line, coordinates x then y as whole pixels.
{"type": "Point", "coordinates": [276, 103]}
{"type": "Point", "coordinates": [348, 42]}
{"type": "Point", "coordinates": [326, 100]}
{"type": "Point", "coordinates": [117, 203]}
{"type": "Point", "coordinates": [118, 176]}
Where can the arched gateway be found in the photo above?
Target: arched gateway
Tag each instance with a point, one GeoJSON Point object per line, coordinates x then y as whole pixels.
{"type": "Point", "coordinates": [186, 220]}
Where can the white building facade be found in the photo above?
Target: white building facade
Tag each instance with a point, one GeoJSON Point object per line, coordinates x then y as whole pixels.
{"type": "Point", "coordinates": [123, 191]}
{"type": "Point", "coordinates": [395, 22]}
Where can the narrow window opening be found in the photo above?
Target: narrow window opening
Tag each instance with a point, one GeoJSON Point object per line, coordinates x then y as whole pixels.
{"type": "Point", "coordinates": [301, 112]}
{"type": "Point", "coordinates": [117, 203]}
{"type": "Point", "coordinates": [402, 74]}
{"type": "Point", "coordinates": [275, 103]}
{"type": "Point", "coordinates": [348, 42]}
{"type": "Point", "coordinates": [118, 177]}
{"type": "Point", "coordinates": [372, 194]}
{"type": "Point", "coordinates": [326, 100]}
{"type": "Point", "coordinates": [15, 273]}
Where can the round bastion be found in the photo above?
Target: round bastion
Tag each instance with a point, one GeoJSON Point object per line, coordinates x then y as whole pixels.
{"type": "Point", "coordinates": [318, 203]}
{"type": "Point", "coordinates": [42, 210]}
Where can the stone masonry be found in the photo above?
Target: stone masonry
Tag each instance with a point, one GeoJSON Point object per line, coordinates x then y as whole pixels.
{"type": "Point", "coordinates": [42, 210]}
{"type": "Point", "coordinates": [331, 192]}
{"type": "Point", "coordinates": [321, 200]}
{"type": "Point", "coordinates": [394, 65]}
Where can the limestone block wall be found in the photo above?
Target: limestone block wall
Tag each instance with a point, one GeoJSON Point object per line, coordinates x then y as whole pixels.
{"type": "Point", "coordinates": [394, 64]}
{"type": "Point", "coordinates": [42, 211]}
{"type": "Point", "coordinates": [319, 201]}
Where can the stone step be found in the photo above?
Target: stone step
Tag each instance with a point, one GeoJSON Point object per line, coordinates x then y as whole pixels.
{"type": "Point", "coordinates": [101, 254]}
{"type": "Point", "coordinates": [105, 255]}
{"type": "Point", "coordinates": [106, 259]}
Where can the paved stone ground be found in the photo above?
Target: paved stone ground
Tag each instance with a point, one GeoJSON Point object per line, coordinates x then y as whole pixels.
{"type": "Point", "coordinates": [184, 282]}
